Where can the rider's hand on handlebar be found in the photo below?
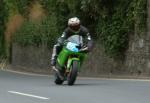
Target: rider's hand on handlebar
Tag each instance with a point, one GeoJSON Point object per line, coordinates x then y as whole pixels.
{"type": "Point", "coordinates": [84, 49]}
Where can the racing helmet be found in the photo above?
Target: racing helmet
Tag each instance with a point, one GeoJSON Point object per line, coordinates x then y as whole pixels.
{"type": "Point", "coordinates": [74, 23]}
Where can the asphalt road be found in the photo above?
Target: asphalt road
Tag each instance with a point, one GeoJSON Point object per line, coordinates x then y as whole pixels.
{"type": "Point", "coordinates": [22, 88]}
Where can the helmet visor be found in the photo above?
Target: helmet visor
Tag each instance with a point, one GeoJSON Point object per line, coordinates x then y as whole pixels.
{"type": "Point", "coordinates": [75, 27]}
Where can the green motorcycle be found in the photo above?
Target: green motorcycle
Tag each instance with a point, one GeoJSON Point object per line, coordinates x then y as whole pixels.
{"type": "Point", "coordinates": [70, 60]}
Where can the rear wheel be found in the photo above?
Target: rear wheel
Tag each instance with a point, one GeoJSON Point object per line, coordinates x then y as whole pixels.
{"type": "Point", "coordinates": [73, 73]}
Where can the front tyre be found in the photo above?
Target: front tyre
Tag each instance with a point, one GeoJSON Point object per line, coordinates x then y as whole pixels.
{"type": "Point", "coordinates": [73, 73]}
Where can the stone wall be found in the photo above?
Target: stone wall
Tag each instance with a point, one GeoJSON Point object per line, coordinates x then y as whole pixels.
{"type": "Point", "coordinates": [138, 54]}
{"type": "Point", "coordinates": [31, 59]}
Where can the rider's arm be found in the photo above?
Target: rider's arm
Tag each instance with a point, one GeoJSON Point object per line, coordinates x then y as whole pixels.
{"type": "Point", "coordinates": [88, 38]}
{"type": "Point", "coordinates": [63, 37]}
{"type": "Point", "coordinates": [89, 42]}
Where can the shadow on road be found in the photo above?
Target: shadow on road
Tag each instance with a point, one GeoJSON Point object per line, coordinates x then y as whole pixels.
{"type": "Point", "coordinates": [86, 84]}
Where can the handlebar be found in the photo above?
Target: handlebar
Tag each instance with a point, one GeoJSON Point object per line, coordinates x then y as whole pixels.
{"type": "Point", "coordinates": [84, 49]}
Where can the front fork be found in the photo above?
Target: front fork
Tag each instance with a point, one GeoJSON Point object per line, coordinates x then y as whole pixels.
{"type": "Point", "coordinates": [70, 62]}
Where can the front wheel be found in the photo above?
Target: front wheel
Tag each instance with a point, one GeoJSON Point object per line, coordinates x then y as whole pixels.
{"type": "Point", "coordinates": [73, 73]}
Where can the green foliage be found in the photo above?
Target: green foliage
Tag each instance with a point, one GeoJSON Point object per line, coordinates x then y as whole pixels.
{"type": "Point", "coordinates": [96, 8]}
{"type": "Point", "coordinates": [110, 21]}
{"type": "Point", "coordinates": [116, 20]}
{"type": "Point", "coordinates": [43, 33]}
{"type": "Point", "coordinates": [11, 7]}
{"type": "Point", "coordinates": [140, 13]}
{"type": "Point", "coordinates": [49, 5]}
{"type": "Point", "coordinates": [23, 6]}
{"type": "Point", "coordinates": [113, 36]}
{"type": "Point", "coordinates": [2, 28]}
{"type": "Point", "coordinates": [18, 6]}
{"type": "Point", "coordinates": [60, 9]}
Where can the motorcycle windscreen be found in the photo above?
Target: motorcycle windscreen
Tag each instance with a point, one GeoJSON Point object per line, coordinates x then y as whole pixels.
{"type": "Point", "coordinates": [76, 39]}
{"type": "Point", "coordinates": [72, 47]}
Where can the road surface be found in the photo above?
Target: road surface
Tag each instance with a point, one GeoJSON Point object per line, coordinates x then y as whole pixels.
{"type": "Point", "coordinates": [22, 88]}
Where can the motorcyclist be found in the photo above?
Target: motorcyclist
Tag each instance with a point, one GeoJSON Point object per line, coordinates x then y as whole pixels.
{"type": "Point", "coordinates": [74, 28]}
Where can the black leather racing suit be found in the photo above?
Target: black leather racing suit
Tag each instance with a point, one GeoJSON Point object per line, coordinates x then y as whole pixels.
{"type": "Point", "coordinates": [83, 31]}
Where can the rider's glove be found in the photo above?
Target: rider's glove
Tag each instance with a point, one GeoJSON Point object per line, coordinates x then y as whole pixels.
{"type": "Point", "coordinates": [90, 45]}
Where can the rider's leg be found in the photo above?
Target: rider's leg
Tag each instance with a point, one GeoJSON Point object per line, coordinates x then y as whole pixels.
{"type": "Point", "coordinates": [56, 50]}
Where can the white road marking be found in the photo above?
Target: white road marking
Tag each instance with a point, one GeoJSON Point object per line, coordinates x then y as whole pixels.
{"type": "Point", "coordinates": [28, 95]}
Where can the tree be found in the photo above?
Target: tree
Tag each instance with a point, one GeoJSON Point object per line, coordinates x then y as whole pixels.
{"type": "Point", "coordinates": [2, 28]}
